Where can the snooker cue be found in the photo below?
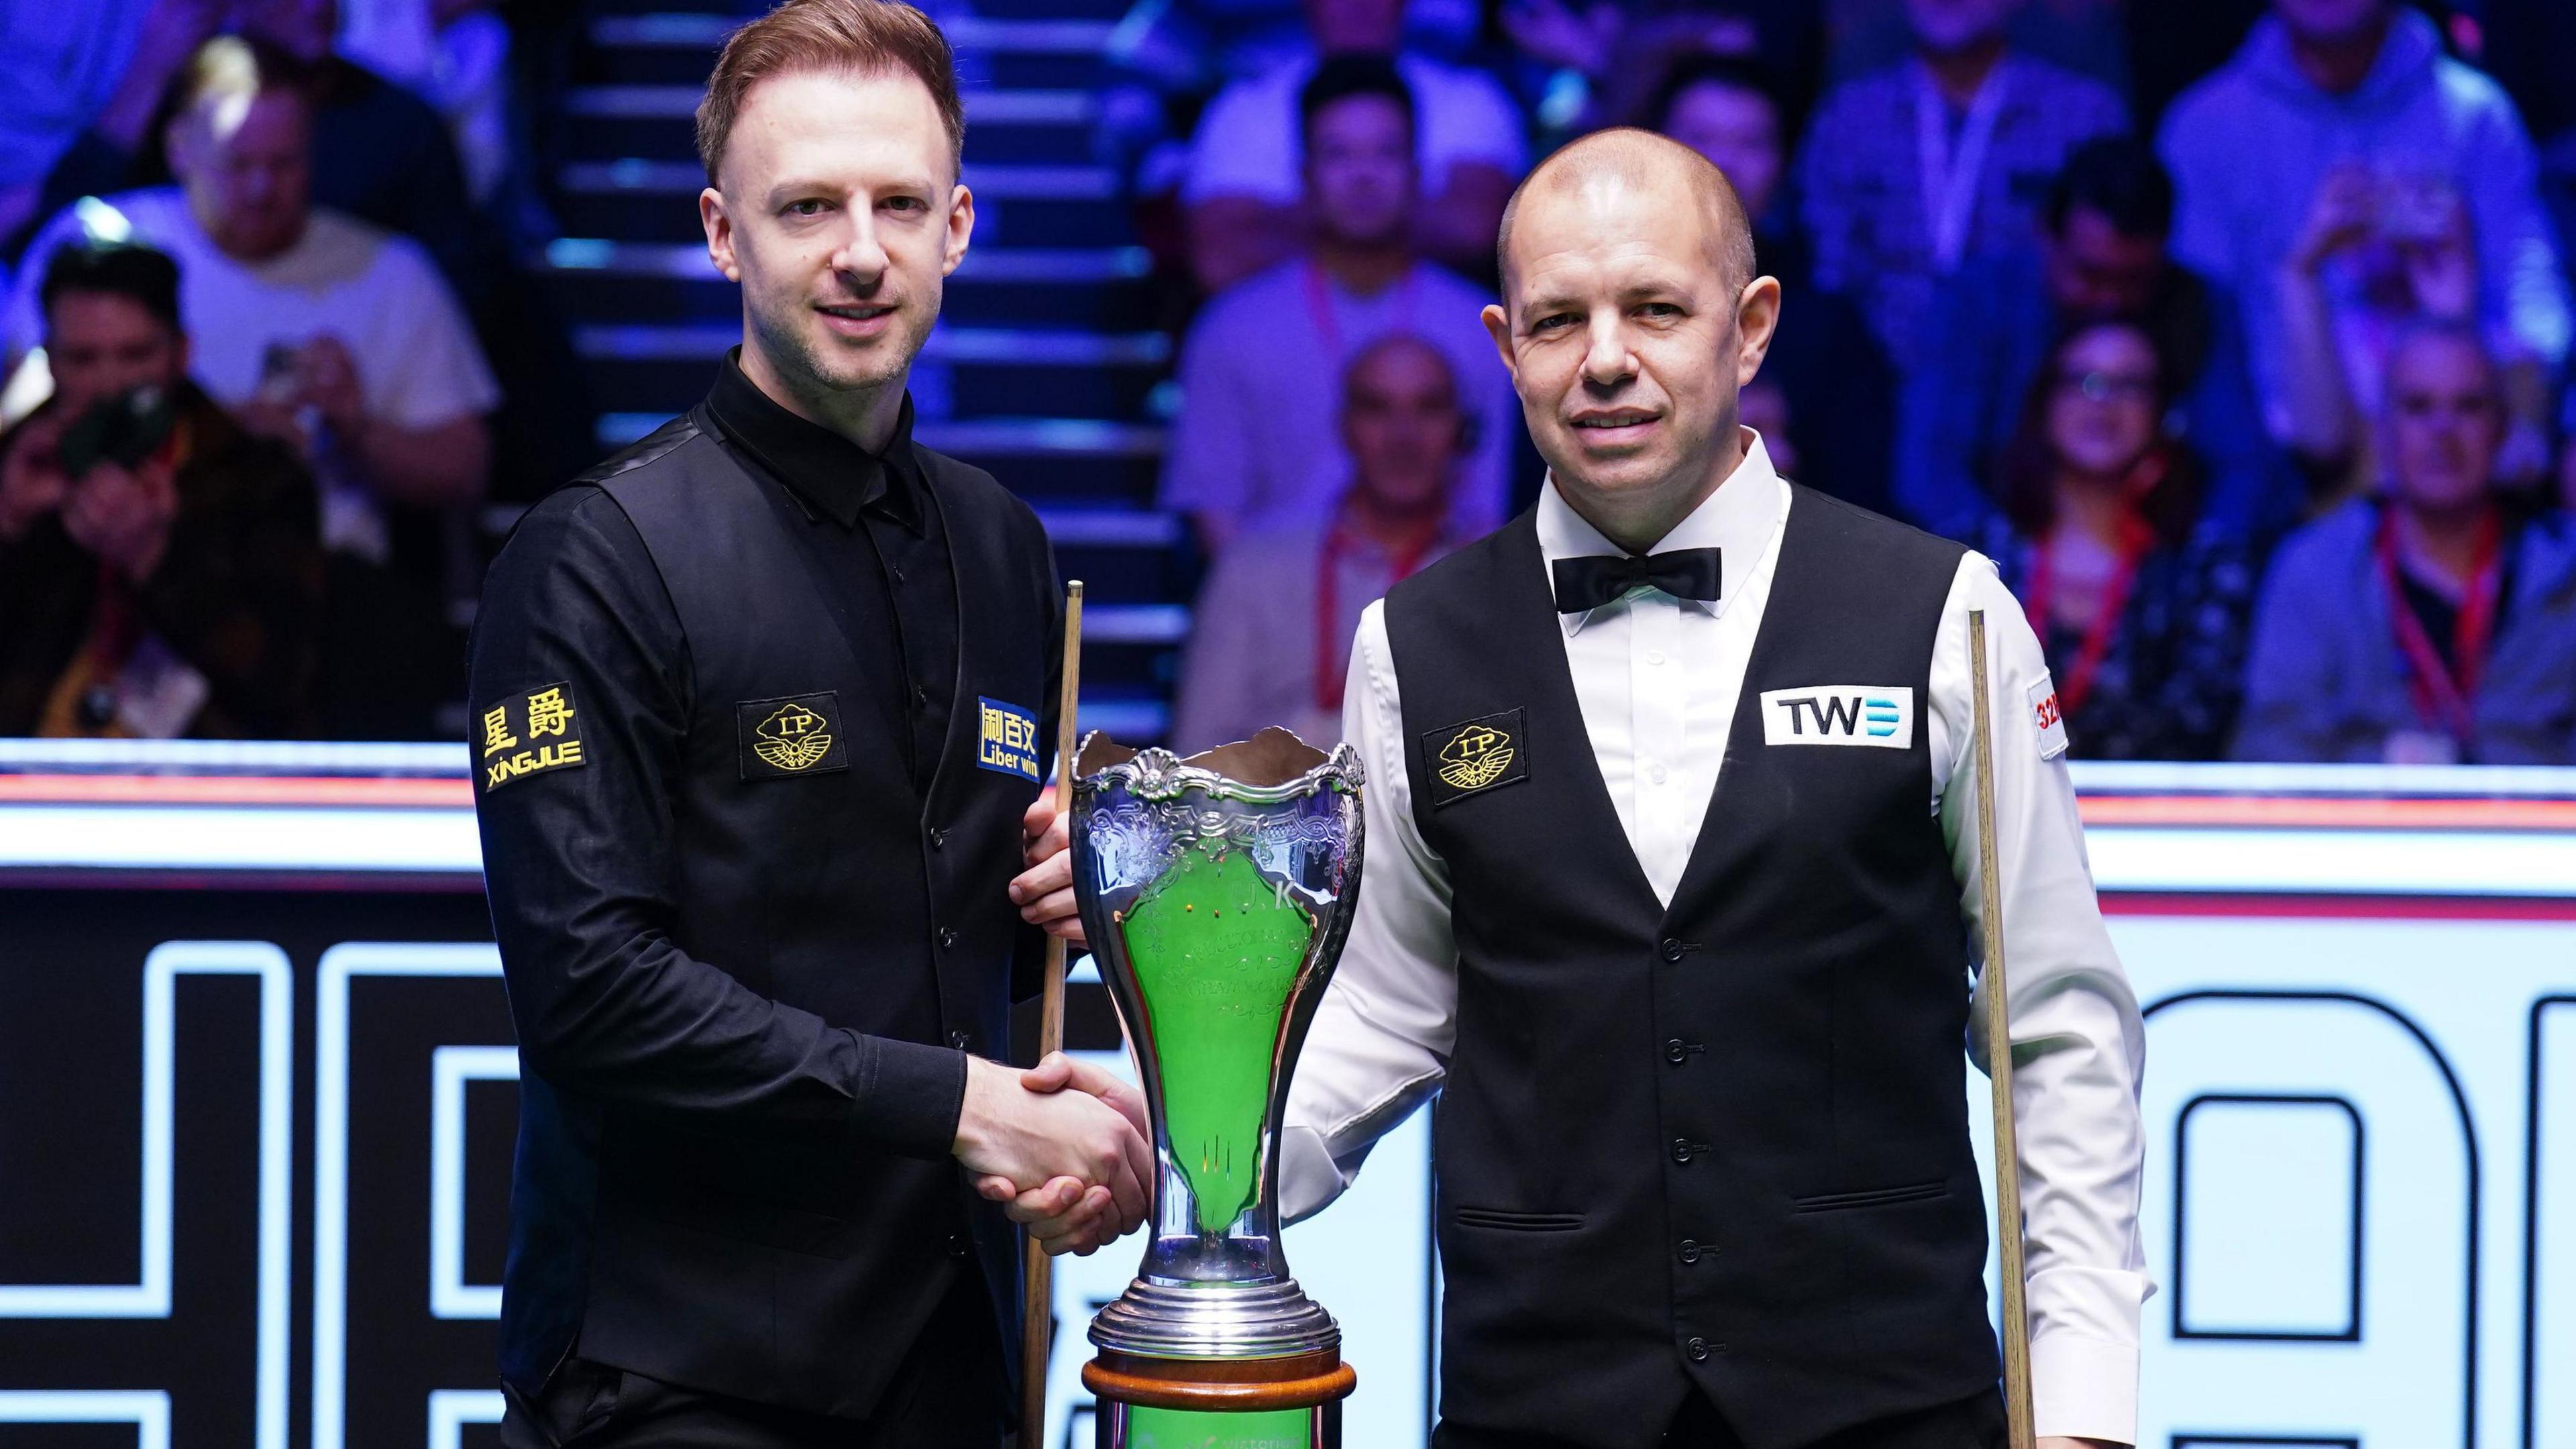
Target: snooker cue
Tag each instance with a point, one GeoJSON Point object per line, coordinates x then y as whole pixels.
{"type": "Point", "coordinates": [1038, 1307]}
{"type": "Point", "coordinates": [1999, 1065]}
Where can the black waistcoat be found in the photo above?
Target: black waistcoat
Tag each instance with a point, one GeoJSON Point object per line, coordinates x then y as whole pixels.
{"type": "Point", "coordinates": [788, 1262]}
{"type": "Point", "coordinates": [1722, 1143]}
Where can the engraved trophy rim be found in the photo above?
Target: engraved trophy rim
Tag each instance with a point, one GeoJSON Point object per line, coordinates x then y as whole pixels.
{"type": "Point", "coordinates": [1167, 1313]}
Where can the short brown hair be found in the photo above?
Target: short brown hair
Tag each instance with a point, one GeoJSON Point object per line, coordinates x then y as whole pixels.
{"type": "Point", "coordinates": [855, 37]}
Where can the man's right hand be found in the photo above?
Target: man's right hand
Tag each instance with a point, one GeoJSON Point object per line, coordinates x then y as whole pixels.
{"type": "Point", "coordinates": [1007, 1131]}
{"type": "Point", "coordinates": [32, 483]}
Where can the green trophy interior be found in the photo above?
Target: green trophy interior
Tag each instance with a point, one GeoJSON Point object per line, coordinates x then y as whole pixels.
{"type": "Point", "coordinates": [1216, 947]}
{"type": "Point", "coordinates": [1188, 1429]}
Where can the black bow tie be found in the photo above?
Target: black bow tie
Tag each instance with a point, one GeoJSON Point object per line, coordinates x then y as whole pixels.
{"type": "Point", "coordinates": [1596, 579]}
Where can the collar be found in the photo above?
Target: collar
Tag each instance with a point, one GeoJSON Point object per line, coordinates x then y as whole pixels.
{"type": "Point", "coordinates": [1737, 520]}
{"type": "Point", "coordinates": [827, 472]}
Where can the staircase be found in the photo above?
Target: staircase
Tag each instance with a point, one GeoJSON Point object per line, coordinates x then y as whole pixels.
{"type": "Point", "coordinates": [1045, 368]}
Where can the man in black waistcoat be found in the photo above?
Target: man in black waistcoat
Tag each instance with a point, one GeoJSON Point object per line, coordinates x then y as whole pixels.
{"type": "Point", "coordinates": [760, 707]}
{"type": "Point", "coordinates": [1670, 898]}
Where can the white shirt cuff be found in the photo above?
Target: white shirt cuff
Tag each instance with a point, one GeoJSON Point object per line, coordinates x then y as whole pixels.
{"type": "Point", "coordinates": [1308, 1178]}
{"type": "Point", "coordinates": [2083, 1387]}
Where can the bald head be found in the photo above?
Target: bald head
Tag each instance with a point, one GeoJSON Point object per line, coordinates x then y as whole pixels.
{"type": "Point", "coordinates": [1639, 163]}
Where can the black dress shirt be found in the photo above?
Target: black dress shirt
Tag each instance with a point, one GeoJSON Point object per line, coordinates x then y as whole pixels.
{"type": "Point", "coordinates": [879, 529]}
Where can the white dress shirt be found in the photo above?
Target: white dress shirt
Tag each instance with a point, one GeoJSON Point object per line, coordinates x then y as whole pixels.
{"type": "Point", "coordinates": [1658, 680]}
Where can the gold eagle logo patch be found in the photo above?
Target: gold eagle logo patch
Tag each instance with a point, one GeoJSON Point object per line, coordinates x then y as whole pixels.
{"type": "Point", "coordinates": [793, 738]}
{"type": "Point", "coordinates": [1475, 757]}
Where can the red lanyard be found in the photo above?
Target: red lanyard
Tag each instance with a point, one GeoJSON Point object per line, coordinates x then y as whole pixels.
{"type": "Point", "coordinates": [1331, 669]}
{"type": "Point", "coordinates": [2442, 698]}
{"type": "Point", "coordinates": [2078, 683]}
{"type": "Point", "coordinates": [1319, 306]}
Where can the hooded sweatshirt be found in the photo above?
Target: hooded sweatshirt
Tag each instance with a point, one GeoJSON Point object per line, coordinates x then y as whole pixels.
{"type": "Point", "coordinates": [2249, 146]}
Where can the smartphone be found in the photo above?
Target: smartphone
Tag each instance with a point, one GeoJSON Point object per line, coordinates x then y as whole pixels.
{"type": "Point", "coordinates": [123, 429]}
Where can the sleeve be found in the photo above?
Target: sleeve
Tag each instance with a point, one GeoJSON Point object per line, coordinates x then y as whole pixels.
{"type": "Point", "coordinates": [2526, 291]}
{"type": "Point", "coordinates": [1941, 415]}
{"type": "Point", "coordinates": [433, 371]}
{"type": "Point", "coordinates": [2200, 236]}
{"type": "Point", "coordinates": [1245, 145]}
{"type": "Point", "coordinates": [2077, 1041]}
{"type": "Point", "coordinates": [1206, 469]}
{"type": "Point", "coordinates": [578, 861]}
{"type": "Point", "coordinates": [1379, 1045]}
{"type": "Point", "coordinates": [239, 591]}
{"type": "Point", "coordinates": [2289, 675]}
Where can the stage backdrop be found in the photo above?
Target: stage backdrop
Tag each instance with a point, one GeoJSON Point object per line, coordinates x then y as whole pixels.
{"type": "Point", "coordinates": [257, 1095]}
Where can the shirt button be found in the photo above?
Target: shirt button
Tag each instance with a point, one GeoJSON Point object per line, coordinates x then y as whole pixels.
{"type": "Point", "coordinates": [959, 1039]}
{"type": "Point", "coordinates": [1655, 772]}
{"type": "Point", "coordinates": [947, 938]}
{"type": "Point", "coordinates": [1697, 1348]}
{"type": "Point", "coordinates": [1671, 949]}
{"type": "Point", "coordinates": [1689, 1250]}
{"type": "Point", "coordinates": [1654, 656]}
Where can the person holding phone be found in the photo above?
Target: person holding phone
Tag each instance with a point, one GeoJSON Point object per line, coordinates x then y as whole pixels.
{"type": "Point", "coordinates": [160, 567]}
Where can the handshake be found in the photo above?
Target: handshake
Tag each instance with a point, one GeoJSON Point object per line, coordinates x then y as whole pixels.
{"type": "Point", "coordinates": [1065, 1144]}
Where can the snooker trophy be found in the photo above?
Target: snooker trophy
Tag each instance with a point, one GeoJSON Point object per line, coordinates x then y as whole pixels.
{"type": "Point", "coordinates": [1215, 892]}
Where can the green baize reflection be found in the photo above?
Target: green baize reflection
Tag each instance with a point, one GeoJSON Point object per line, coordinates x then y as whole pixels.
{"type": "Point", "coordinates": [1215, 948]}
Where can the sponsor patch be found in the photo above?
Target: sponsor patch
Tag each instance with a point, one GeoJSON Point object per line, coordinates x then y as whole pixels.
{"type": "Point", "coordinates": [2048, 717]}
{"type": "Point", "coordinates": [1876, 715]}
{"type": "Point", "coordinates": [799, 734]}
{"type": "Point", "coordinates": [1476, 755]}
{"type": "Point", "coordinates": [528, 734]}
{"type": "Point", "coordinates": [1009, 742]}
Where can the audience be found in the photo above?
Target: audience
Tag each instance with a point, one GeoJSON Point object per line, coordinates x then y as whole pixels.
{"type": "Point", "coordinates": [1254, 441]}
{"type": "Point", "coordinates": [160, 568]}
{"type": "Point", "coordinates": [2140, 605]}
{"type": "Point", "coordinates": [2343, 176]}
{"type": "Point", "coordinates": [2100, 253]}
{"type": "Point", "coordinates": [1826, 395]}
{"type": "Point", "coordinates": [314, 329]}
{"type": "Point", "coordinates": [1274, 623]}
{"type": "Point", "coordinates": [1912, 170]}
{"type": "Point", "coordinates": [1242, 188]}
{"type": "Point", "coordinates": [2430, 625]}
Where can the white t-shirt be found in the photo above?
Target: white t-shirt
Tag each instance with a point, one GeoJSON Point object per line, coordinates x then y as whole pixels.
{"type": "Point", "coordinates": [418, 363]}
{"type": "Point", "coordinates": [1248, 144]}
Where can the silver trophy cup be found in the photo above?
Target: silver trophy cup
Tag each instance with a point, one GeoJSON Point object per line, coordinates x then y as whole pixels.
{"type": "Point", "coordinates": [1216, 892]}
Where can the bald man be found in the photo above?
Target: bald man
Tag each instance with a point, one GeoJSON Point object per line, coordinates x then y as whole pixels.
{"type": "Point", "coordinates": [1672, 899]}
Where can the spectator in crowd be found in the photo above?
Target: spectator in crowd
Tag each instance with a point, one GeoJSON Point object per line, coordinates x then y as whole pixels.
{"type": "Point", "coordinates": [2101, 253]}
{"type": "Point", "coordinates": [1259, 371]}
{"type": "Point", "coordinates": [313, 328]}
{"type": "Point", "coordinates": [1273, 628]}
{"type": "Point", "coordinates": [2430, 625]}
{"type": "Point", "coordinates": [1912, 170]}
{"type": "Point", "coordinates": [1825, 397]}
{"type": "Point", "coordinates": [1624, 49]}
{"type": "Point", "coordinates": [1242, 187]}
{"type": "Point", "coordinates": [160, 568]}
{"type": "Point", "coordinates": [2141, 606]}
{"type": "Point", "coordinates": [2343, 176]}
{"type": "Point", "coordinates": [98, 65]}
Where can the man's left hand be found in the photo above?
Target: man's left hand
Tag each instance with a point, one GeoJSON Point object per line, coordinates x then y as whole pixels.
{"type": "Point", "coordinates": [1044, 891]}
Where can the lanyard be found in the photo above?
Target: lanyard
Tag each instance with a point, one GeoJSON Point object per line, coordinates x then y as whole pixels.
{"type": "Point", "coordinates": [1950, 177]}
{"type": "Point", "coordinates": [1319, 306]}
{"type": "Point", "coordinates": [2442, 699]}
{"type": "Point", "coordinates": [1331, 671]}
{"type": "Point", "coordinates": [2105, 627]}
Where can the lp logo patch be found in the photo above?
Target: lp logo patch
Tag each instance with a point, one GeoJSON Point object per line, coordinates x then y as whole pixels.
{"type": "Point", "coordinates": [800, 734]}
{"type": "Point", "coordinates": [1879, 715]}
{"type": "Point", "coordinates": [1477, 755]}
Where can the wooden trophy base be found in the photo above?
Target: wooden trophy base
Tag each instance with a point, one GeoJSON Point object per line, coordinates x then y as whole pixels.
{"type": "Point", "coordinates": [1276, 1403]}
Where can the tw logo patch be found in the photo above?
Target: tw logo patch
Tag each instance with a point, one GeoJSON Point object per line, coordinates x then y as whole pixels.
{"type": "Point", "coordinates": [1840, 714]}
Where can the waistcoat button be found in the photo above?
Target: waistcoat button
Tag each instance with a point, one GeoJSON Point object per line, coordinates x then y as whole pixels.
{"type": "Point", "coordinates": [1681, 1149]}
{"type": "Point", "coordinates": [956, 1246]}
{"type": "Point", "coordinates": [1697, 1348]}
{"type": "Point", "coordinates": [947, 938]}
{"type": "Point", "coordinates": [1672, 949]}
{"type": "Point", "coordinates": [938, 837]}
{"type": "Point", "coordinates": [1676, 1051]}
{"type": "Point", "coordinates": [959, 1039]}
{"type": "Point", "coordinates": [1689, 1250]}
